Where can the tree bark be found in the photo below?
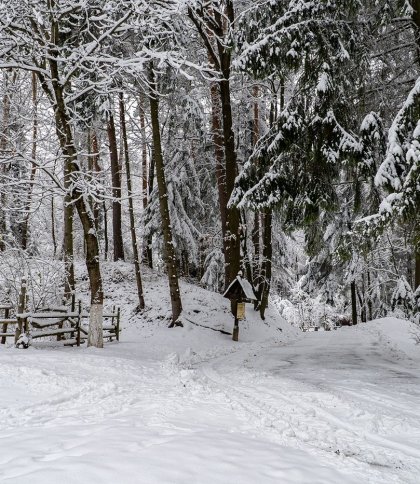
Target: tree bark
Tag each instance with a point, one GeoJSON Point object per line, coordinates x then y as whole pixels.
{"type": "Point", "coordinates": [116, 190]}
{"type": "Point", "coordinates": [256, 232]}
{"type": "Point", "coordinates": [65, 137]}
{"type": "Point", "coordinates": [53, 236]}
{"type": "Point", "coordinates": [417, 269]}
{"type": "Point", "coordinates": [214, 26]}
{"type": "Point", "coordinates": [3, 147]}
{"type": "Point", "coordinates": [170, 258]}
{"type": "Point", "coordinates": [232, 236]}
{"type": "Point", "coordinates": [130, 204]}
{"type": "Point", "coordinates": [353, 302]}
{"type": "Point", "coordinates": [93, 167]}
{"type": "Point", "coordinates": [266, 266]}
{"type": "Point", "coordinates": [68, 244]}
{"type": "Point", "coordinates": [216, 130]}
{"type": "Point", "coordinates": [25, 224]}
{"type": "Point", "coordinates": [147, 252]}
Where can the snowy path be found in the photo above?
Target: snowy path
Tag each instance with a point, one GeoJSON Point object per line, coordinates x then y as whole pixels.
{"type": "Point", "coordinates": [337, 393]}
{"type": "Point", "coordinates": [328, 408]}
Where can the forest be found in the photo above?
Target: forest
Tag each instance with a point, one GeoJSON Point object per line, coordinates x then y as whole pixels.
{"type": "Point", "coordinates": [178, 174]}
{"type": "Point", "coordinates": [280, 138]}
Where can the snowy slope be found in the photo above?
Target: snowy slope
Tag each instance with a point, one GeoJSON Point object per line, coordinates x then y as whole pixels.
{"type": "Point", "coordinates": [188, 405]}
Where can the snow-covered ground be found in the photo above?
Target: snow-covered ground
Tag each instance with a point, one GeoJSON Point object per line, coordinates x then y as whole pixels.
{"type": "Point", "coordinates": [188, 405]}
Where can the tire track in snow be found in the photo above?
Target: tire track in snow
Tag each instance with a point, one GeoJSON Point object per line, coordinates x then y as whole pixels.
{"type": "Point", "coordinates": [305, 423]}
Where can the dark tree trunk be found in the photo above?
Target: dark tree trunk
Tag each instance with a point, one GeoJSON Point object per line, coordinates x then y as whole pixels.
{"type": "Point", "coordinates": [256, 232]}
{"type": "Point", "coordinates": [65, 137]}
{"type": "Point", "coordinates": [147, 252]}
{"type": "Point", "coordinates": [416, 18]}
{"type": "Point", "coordinates": [3, 147]}
{"type": "Point", "coordinates": [219, 155]}
{"type": "Point", "coordinates": [353, 302]}
{"type": "Point", "coordinates": [93, 166]}
{"type": "Point", "coordinates": [214, 26]}
{"type": "Point", "coordinates": [68, 249]}
{"type": "Point", "coordinates": [53, 236]}
{"type": "Point", "coordinates": [116, 190]}
{"type": "Point", "coordinates": [106, 238]}
{"type": "Point", "coordinates": [266, 266]}
{"type": "Point", "coordinates": [25, 224]}
{"type": "Point", "coordinates": [369, 297]}
{"type": "Point", "coordinates": [232, 236]}
{"type": "Point", "coordinates": [130, 204]}
{"type": "Point", "coordinates": [170, 258]}
{"type": "Point", "coordinates": [361, 296]}
{"type": "Point", "coordinates": [151, 180]}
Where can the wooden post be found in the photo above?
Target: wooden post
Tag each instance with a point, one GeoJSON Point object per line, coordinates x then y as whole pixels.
{"type": "Point", "coordinates": [4, 330]}
{"type": "Point", "coordinates": [78, 320]}
{"type": "Point", "coordinates": [235, 334]}
{"type": "Point", "coordinates": [118, 323]}
{"type": "Point", "coordinates": [21, 309]}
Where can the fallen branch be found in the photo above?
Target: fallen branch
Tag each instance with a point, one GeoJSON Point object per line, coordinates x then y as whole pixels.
{"type": "Point", "coordinates": [208, 327]}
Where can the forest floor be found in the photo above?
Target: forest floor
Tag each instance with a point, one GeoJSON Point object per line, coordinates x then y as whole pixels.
{"type": "Point", "coordinates": [188, 405]}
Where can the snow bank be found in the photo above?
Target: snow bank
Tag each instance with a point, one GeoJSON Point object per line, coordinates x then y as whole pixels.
{"type": "Point", "coordinates": [398, 335]}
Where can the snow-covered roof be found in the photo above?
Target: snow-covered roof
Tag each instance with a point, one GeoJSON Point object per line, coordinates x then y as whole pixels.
{"type": "Point", "coordinates": [246, 287]}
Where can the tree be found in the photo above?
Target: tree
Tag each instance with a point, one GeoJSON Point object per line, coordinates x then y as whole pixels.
{"type": "Point", "coordinates": [130, 203]}
{"type": "Point", "coordinates": [170, 257]}
{"type": "Point", "coordinates": [116, 189]}
{"type": "Point", "coordinates": [214, 22]}
{"type": "Point", "coordinates": [53, 41]}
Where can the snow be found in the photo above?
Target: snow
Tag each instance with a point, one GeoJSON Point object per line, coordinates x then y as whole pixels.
{"type": "Point", "coordinates": [188, 405]}
{"type": "Point", "coordinates": [246, 287]}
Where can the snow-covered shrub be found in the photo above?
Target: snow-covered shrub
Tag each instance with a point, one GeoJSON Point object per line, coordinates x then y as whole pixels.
{"type": "Point", "coordinates": [405, 303]}
{"type": "Point", "coordinates": [45, 278]}
{"type": "Point", "coordinates": [213, 277]}
{"type": "Point", "coordinates": [306, 312]}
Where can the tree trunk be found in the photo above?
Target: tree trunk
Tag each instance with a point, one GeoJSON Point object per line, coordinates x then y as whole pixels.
{"type": "Point", "coordinates": [106, 239]}
{"type": "Point", "coordinates": [151, 178]}
{"type": "Point", "coordinates": [369, 297]}
{"type": "Point", "coordinates": [68, 249]}
{"type": "Point", "coordinates": [257, 226]}
{"type": "Point", "coordinates": [25, 224]}
{"type": "Point", "coordinates": [3, 147]}
{"type": "Point", "coordinates": [417, 269]}
{"type": "Point", "coordinates": [53, 236]}
{"type": "Point", "coordinates": [116, 190]}
{"type": "Point", "coordinates": [171, 263]}
{"type": "Point", "coordinates": [232, 236]}
{"type": "Point", "coordinates": [65, 137]}
{"type": "Point", "coordinates": [219, 155]}
{"type": "Point", "coordinates": [415, 4]}
{"type": "Point", "coordinates": [353, 302]}
{"type": "Point", "coordinates": [214, 26]}
{"type": "Point", "coordinates": [93, 166]}
{"type": "Point", "coordinates": [146, 180]}
{"type": "Point", "coordinates": [130, 204]}
{"type": "Point", "coordinates": [266, 266]}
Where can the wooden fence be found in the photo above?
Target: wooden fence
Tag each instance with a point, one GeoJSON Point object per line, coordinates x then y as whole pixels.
{"type": "Point", "coordinates": [68, 324]}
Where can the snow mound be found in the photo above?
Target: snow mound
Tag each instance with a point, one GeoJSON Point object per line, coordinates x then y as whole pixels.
{"type": "Point", "coordinates": [399, 335]}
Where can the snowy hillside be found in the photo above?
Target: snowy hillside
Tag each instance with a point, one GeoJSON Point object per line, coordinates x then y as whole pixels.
{"type": "Point", "coordinates": [188, 405]}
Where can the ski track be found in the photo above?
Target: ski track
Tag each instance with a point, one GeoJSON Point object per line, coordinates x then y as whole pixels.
{"type": "Point", "coordinates": [302, 414]}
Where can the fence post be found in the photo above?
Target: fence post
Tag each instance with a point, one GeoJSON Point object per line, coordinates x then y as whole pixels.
{"type": "Point", "coordinates": [118, 324]}
{"type": "Point", "coordinates": [21, 309]}
{"type": "Point", "coordinates": [4, 329]}
{"type": "Point", "coordinates": [79, 319]}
